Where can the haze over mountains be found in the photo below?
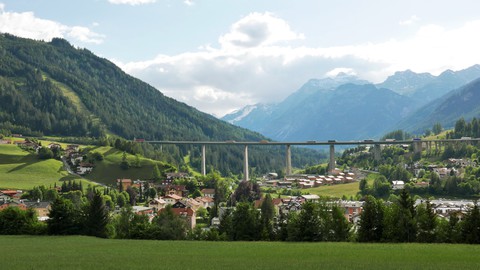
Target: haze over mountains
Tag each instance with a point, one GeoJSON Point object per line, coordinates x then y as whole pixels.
{"type": "Point", "coordinates": [347, 108]}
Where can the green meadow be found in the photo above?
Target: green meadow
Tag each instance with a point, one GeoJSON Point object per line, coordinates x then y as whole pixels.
{"type": "Point", "coordinates": [21, 170]}
{"type": "Point", "coordinates": [337, 191]}
{"type": "Point", "coordinates": [108, 170]}
{"type": "Point", "coordinates": [78, 252]}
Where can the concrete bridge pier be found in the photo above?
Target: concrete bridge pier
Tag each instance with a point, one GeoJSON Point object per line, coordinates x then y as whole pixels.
{"type": "Point", "coordinates": [377, 152]}
{"type": "Point", "coordinates": [331, 164]}
{"type": "Point", "coordinates": [417, 147]}
{"type": "Point", "coordinates": [204, 161]}
{"type": "Point", "coordinates": [288, 161]}
{"type": "Point", "coordinates": [245, 163]}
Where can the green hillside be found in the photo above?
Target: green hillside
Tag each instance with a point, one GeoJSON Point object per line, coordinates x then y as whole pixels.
{"type": "Point", "coordinates": [108, 170]}
{"type": "Point", "coordinates": [53, 88]}
{"type": "Point", "coordinates": [21, 170]}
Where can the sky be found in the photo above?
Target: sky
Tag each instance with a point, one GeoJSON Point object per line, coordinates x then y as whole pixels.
{"type": "Point", "coordinates": [221, 55]}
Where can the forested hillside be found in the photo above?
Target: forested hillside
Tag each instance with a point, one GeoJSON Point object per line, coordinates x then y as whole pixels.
{"type": "Point", "coordinates": [125, 106]}
{"type": "Point", "coordinates": [53, 88]}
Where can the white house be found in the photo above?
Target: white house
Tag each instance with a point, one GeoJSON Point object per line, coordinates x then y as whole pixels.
{"type": "Point", "coordinates": [398, 185]}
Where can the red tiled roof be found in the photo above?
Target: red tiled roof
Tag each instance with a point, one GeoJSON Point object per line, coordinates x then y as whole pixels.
{"type": "Point", "coordinates": [208, 191]}
{"type": "Point", "coordinates": [9, 192]}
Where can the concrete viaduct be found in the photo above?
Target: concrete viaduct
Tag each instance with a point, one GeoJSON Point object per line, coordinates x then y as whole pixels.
{"type": "Point", "coordinates": [418, 145]}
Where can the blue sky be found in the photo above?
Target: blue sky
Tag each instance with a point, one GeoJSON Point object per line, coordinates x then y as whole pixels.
{"type": "Point", "coordinates": [221, 55]}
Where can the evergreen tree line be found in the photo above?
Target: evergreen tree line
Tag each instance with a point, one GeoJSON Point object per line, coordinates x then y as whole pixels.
{"type": "Point", "coordinates": [463, 128]}
{"type": "Point", "coordinates": [398, 221]}
{"type": "Point", "coordinates": [401, 221]}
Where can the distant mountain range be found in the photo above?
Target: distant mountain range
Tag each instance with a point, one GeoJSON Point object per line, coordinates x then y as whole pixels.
{"type": "Point", "coordinates": [347, 108]}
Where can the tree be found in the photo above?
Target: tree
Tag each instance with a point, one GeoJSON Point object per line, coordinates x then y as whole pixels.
{"type": "Point", "coordinates": [338, 226]}
{"type": "Point", "coordinates": [168, 226]}
{"type": "Point", "coordinates": [45, 153]}
{"type": "Point", "coordinates": [471, 225]}
{"type": "Point", "coordinates": [96, 217]}
{"type": "Point", "coordinates": [124, 164]}
{"type": "Point", "coordinates": [138, 164]}
{"type": "Point", "coordinates": [51, 195]}
{"type": "Point", "coordinates": [246, 191]}
{"type": "Point", "coordinates": [449, 231]}
{"type": "Point", "coordinates": [267, 215]}
{"type": "Point", "coordinates": [245, 222]}
{"type": "Point", "coordinates": [400, 225]}
{"type": "Point", "coordinates": [156, 173]}
{"type": "Point", "coordinates": [381, 186]}
{"type": "Point", "coordinates": [226, 224]}
{"type": "Point", "coordinates": [133, 194]}
{"type": "Point", "coordinates": [14, 220]}
{"type": "Point", "coordinates": [426, 222]}
{"type": "Point", "coordinates": [63, 218]}
{"type": "Point", "coordinates": [305, 226]}
{"type": "Point", "coordinates": [36, 194]}
{"type": "Point", "coordinates": [121, 200]}
{"type": "Point", "coordinates": [370, 228]}
{"type": "Point", "coordinates": [363, 186]}
{"type": "Point", "coordinates": [437, 128]}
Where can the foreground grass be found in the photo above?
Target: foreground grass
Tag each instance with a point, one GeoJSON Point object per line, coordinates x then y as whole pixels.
{"type": "Point", "coordinates": [76, 252]}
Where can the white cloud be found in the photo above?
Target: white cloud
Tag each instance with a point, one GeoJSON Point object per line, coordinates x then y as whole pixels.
{"type": "Point", "coordinates": [189, 3]}
{"type": "Point", "coordinates": [334, 72]}
{"type": "Point", "coordinates": [84, 34]}
{"type": "Point", "coordinates": [27, 25]}
{"type": "Point", "coordinates": [413, 19]}
{"type": "Point", "coordinates": [258, 29]}
{"type": "Point", "coordinates": [131, 2]}
{"type": "Point", "coordinates": [2, 7]}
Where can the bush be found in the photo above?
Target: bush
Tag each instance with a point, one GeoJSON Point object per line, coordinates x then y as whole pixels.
{"type": "Point", "coordinates": [45, 153]}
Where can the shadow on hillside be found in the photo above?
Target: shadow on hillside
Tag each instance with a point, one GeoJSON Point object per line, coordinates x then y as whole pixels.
{"type": "Point", "coordinates": [25, 162]}
{"type": "Point", "coordinates": [111, 151]}
{"type": "Point", "coordinates": [69, 177]}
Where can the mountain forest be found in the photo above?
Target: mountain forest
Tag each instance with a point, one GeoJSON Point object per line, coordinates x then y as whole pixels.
{"type": "Point", "coordinates": [53, 88]}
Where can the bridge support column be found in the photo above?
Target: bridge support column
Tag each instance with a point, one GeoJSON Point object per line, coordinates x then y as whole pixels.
{"type": "Point", "coordinates": [288, 161]}
{"type": "Point", "coordinates": [245, 163]}
{"type": "Point", "coordinates": [417, 147]}
{"type": "Point", "coordinates": [331, 164]}
{"type": "Point", "coordinates": [204, 161]}
{"type": "Point", "coordinates": [377, 152]}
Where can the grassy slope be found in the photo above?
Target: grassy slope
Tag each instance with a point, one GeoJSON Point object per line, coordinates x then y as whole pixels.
{"type": "Point", "coordinates": [22, 170]}
{"type": "Point", "coordinates": [75, 252]}
{"type": "Point", "coordinates": [337, 191]}
{"type": "Point", "coordinates": [108, 170]}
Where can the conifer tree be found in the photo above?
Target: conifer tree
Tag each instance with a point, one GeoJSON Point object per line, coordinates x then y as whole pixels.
{"type": "Point", "coordinates": [96, 217]}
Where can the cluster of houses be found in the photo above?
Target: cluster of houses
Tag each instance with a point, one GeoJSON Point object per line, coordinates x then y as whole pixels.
{"type": "Point", "coordinates": [445, 208]}
{"type": "Point", "coordinates": [12, 198]}
{"type": "Point", "coordinates": [75, 159]}
{"type": "Point", "coordinates": [175, 195]}
{"type": "Point", "coordinates": [309, 180]}
{"type": "Point", "coordinates": [453, 167]}
{"type": "Point", "coordinates": [352, 209]}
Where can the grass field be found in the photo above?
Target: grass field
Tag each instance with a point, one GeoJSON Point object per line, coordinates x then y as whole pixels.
{"type": "Point", "coordinates": [21, 170]}
{"type": "Point", "coordinates": [76, 252]}
{"type": "Point", "coordinates": [108, 170]}
{"type": "Point", "coordinates": [337, 191]}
